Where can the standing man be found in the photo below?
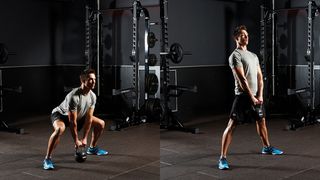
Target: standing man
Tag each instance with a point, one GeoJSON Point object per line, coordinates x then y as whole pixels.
{"type": "Point", "coordinates": [248, 102]}
{"type": "Point", "coordinates": [76, 111]}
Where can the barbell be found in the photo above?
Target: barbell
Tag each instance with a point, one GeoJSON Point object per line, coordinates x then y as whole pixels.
{"type": "Point", "coordinates": [175, 53]}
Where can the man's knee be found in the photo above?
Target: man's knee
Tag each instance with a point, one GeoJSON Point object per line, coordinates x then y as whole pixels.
{"type": "Point", "coordinates": [59, 130]}
{"type": "Point", "coordinates": [231, 126]}
{"type": "Point", "coordinates": [99, 123]}
{"type": "Point", "coordinates": [59, 127]}
{"type": "Point", "coordinates": [102, 124]}
{"type": "Point", "coordinates": [261, 122]}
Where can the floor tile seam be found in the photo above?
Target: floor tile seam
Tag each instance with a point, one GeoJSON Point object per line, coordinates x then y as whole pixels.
{"type": "Point", "coordinates": [167, 148]}
{"type": "Point", "coordinates": [131, 170]}
{"type": "Point", "coordinates": [19, 159]}
{"type": "Point", "coordinates": [301, 171]}
{"type": "Point", "coordinates": [183, 174]}
{"type": "Point", "coordinates": [183, 162]}
{"type": "Point", "coordinates": [33, 175]}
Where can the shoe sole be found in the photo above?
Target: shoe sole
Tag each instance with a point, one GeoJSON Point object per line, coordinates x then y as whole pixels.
{"type": "Point", "coordinates": [49, 168]}
{"type": "Point", "coordinates": [223, 168]}
{"type": "Point", "coordinates": [97, 154]}
{"type": "Point", "coordinates": [278, 154]}
{"type": "Point", "coordinates": [271, 153]}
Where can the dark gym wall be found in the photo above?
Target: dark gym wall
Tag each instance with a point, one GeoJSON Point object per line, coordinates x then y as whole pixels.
{"type": "Point", "coordinates": [202, 27]}
{"type": "Point", "coordinates": [49, 46]}
{"type": "Point", "coordinates": [43, 32]}
{"type": "Point", "coordinates": [197, 26]}
{"type": "Point", "coordinates": [205, 28]}
{"type": "Point", "coordinates": [46, 39]}
{"type": "Point", "coordinates": [25, 30]}
{"type": "Point", "coordinates": [67, 32]}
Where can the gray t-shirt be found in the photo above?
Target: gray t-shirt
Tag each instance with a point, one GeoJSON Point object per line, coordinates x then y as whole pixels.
{"type": "Point", "coordinates": [250, 63]}
{"type": "Point", "coordinates": [75, 101]}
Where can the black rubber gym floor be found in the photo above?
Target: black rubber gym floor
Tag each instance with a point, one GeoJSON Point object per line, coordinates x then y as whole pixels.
{"type": "Point", "coordinates": [133, 154]}
{"type": "Point", "coordinates": [194, 156]}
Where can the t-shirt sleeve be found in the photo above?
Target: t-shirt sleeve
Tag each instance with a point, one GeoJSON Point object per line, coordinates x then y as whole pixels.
{"type": "Point", "coordinates": [258, 61]}
{"type": "Point", "coordinates": [94, 100]}
{"type": "Point", "coordinates": [73, 104]}
{"type": "Point", "coordinates": [235, 60]}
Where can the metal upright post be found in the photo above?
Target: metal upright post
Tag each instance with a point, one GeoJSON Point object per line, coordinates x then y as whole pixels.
{"type": "Point", "coordinates": [87, 52]}
{"type": "Point", "coordinates": [98, 46]}
{"type": "Point", "coordinates": [135, 54]}
{"type": "Point", "coordinates": [146, 47]}
{"type": "Point", "coordinates": [164, 61]}
{"type": "Point", "coordinates": [273, 49]}
{"type": "Point", "coordinates": [262, 31]}
{"type": "Point", "coordinates": [263, 40]}
{"type": "Point", "coordinates": [310, 55]}
{"type": "Point", "coordinates": [1, 93]}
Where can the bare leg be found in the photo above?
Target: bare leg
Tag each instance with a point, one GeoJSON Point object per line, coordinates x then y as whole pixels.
{"type": "Point", "coordinates": [263, 132]}
{"type": "Point", "coordinates": [59, 128]}
{"type": "Point", "coordinates": [227, 137]}
{"type": "Point", "coordinates": [98, 126]}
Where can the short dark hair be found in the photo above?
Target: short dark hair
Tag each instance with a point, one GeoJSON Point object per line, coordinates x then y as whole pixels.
{"type": "Point", "coordinates": [85, 73]}
{"type": "Point", "coordinates": [238, 29]}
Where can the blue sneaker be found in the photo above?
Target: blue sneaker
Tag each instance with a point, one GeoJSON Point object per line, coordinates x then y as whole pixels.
{"type": "Point", "coordinates": [223, 164]}
{"type": "Point", "coordinates": [271, 150]}
{"type": "Point", "coordinates": [48, 164]}
{"type": "Point", "coordinates": [96, 151]}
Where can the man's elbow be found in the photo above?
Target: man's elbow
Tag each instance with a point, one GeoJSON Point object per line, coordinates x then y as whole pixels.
{"type": "Point", "coordinates": [243, 81]}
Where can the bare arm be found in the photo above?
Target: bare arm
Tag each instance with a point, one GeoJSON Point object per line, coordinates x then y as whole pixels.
{"type": "Point", "coordinates": [260, 85]}
{"type": "Point", "coordinates": [244, 83]}
{"type": "Point", "coordinates": [87, 126]}
{"type": "Point", "coordinates": [73, 127]}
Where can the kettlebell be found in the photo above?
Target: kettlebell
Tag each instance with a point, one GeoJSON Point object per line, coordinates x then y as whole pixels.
{"type": "Point", "coordinates": [80, 154]}
{"type": "Point", "coordinates": [258, 110]}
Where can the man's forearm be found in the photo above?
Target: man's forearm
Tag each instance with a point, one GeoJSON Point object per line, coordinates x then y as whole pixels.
{"type": "Point", "coordinates": [260, 89]}
{"type": "Point", "coordinates": [73, 129]}
{"type": "Point", "coordinates": [73, 125]}
{"type": "Point", "coordinates": [260, 83]}
{"type": "Point", "coordinates": [87, 127]}
{"type": "Point", "coordinates": [245, 86]}
{"type": "Point", "coordinates": [243, 82]}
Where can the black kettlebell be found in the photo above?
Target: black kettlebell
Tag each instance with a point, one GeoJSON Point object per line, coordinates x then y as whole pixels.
{"type": "Point", "coordinates": [258, 110]}
{"type": "Point", "coordinates": [80, 154]}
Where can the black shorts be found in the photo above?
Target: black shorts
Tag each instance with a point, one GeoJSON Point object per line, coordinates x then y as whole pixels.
{"type": "Point", "coordinates": [56, 115]}
{"type": "Point", "coordinates": [243, 111]}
